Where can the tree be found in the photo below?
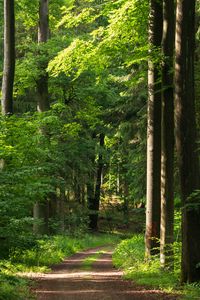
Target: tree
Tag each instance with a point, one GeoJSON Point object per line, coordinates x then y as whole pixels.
{"type": "Point", "coordinates": [167, 151]}
{"type": "Point", "coordinates": [9, 57]}
{"type": "Point", "coordinates": [153, 130]}
{"type": "Point", "coordinates": [41, 210]}
{"type": "Point", "coordinates": [186, 138]}
{"type": "Point", "coordinates": [43, 34]}
{"type": "Point", "coordinates": [94, 203]}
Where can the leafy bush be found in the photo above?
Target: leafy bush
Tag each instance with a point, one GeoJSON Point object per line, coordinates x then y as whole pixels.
{"type": "Point", "coordinates": [47, 251]}
{"type": "Point", "coordinates": [130, 256]}
{"type": "Point", "coordinates": [51, 250]}
{"type": "Point", "coordinates": [12, 287]}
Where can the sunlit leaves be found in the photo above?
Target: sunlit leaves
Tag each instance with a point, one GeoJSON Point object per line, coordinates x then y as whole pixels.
{"type": "Point", "coordinates": [72, 19]}
{"type": "Point", "coordinates": [71, 60]}
{"type": "Point", "coordinates": [121, 41]}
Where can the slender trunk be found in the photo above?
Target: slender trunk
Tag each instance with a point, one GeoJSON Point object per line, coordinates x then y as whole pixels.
{"type": "Point", "coordinates": [83, 193]}
{"type": "Point", "coordinates": [94, 205]}
{"type": "Point", "coordinates": [126, 203]}
{"type": "Point", "coordinates": [167, 152]}
{"type": "Point", "coordinates": [40, 210]}
{"type": "Point", "coordinates": [41, 216]}
{"type": "Point", "coordinates": [43, 34]}
{"type": "Point", "coordinates": [153, 131]}
{"type": "Point", "coordinates": [91, 187]}
{"type": "Point", "coordinates": [61, 208]}
{"type": "Point", "coordinates": [77, 190]}
{"type": "Point", "coordinates": [118, 179]}
{"type": "Point", "coordinates": [186, 138]}
{"type": "Point", "coordinates": [9, 57]}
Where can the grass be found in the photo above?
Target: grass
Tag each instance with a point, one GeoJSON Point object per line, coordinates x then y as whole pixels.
{"type": "Point", "coordinates": [129, 255]}
{"type": "Point", "coordinates": [47, 251]}
{"type": "Point", "coordinates": [88, 261]}
{"type": "Point", "coordinates": [13, 287]}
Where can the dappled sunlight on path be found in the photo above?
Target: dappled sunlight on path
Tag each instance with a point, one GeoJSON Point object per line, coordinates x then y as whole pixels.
{"type": "Point", "coordinates": [70, 280]}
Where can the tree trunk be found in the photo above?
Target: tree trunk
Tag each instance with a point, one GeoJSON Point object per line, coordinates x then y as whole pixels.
{"type": "Point", "coordinates": [83, 193]}
{"type": "Point", "coordinates": [40, 210]}
{"type": "Point", "coordinates": [9, 57]}
{"type": "Point", "coordinates": [61, 208]}
{"type": "Point", "coordinates": [126, 203]}
{"type": "Point", "coordinates": [167, 151]}
{"type": "Point", "coordinates": [94, 204]}
{"type": "Point", "coordinates": [41, 216]}
{"type": "Point", "coordinates": [186, 138]}
{"type": "Point", "coordinates": [153, 131]}
{"type": "Point", "coordinates": [43, 34]}
{"type": "Point", "coordinates": [77, 189]}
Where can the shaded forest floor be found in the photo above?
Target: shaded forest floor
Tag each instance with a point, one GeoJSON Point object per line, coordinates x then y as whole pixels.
{"type": "Point", "coordinates": [91, 275]}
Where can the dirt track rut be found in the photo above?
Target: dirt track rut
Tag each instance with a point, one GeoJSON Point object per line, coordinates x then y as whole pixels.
{"type": "Point", "coordinates": [69, 281]}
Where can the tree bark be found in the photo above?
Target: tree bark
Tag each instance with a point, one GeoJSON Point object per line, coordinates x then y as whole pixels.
{"type": "Point", "coordinates": [43, 34]}
{"type": "Point", "coordinates": [95, 202]}
{"type": "Point", "coordinates": [9, 57]}
{"type": "Point", "coordinates": [167, 151]}
{"type": "Point", "coordinates": [126, 203]}
{"type": "Point", "coordinates": [186, 138]}
{"type": "Point", "coordinates": [153, 131]}
{"type": "Point", "coordinates": [41, 215]}
{"type": "Point", "coordinates": [40, 210]}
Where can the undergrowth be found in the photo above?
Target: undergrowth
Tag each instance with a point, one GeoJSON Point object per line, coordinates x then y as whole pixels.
{"type": "Point", "coordinates": [46, 252]}
{"type": "Point", "coordinates": [129, 255]}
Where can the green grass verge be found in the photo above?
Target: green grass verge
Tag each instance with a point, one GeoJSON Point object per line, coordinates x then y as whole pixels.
{"type": "Point", "coordinates": [129, 255]}
{"type": "Point", "coordinates": [13, 287]}
{"type": "Point", "coordinates": [47, 251]}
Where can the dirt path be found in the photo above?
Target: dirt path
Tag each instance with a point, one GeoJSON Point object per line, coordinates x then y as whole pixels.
{"type": "Point", "coordinates": [69, 280]}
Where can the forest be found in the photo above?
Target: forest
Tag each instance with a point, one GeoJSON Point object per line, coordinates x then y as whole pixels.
{"type": "Point", "coordinates": [99, 139]}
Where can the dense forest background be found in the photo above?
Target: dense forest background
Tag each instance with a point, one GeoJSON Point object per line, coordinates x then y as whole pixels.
{"type": "Point", "coordinates": [87, 126]}
{"type": "Point", "coordinates": [94, 132]}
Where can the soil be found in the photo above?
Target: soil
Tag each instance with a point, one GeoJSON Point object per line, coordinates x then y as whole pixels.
{"type": "Point", "coordinates": [70, 281]}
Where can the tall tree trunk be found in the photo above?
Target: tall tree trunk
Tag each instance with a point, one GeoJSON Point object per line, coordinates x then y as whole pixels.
{"type": "Point", "coordinates": [43, 34]}
{"type": "Point", "coordinates": [94, 205]}
{"type": "Point", "coordinates": [77, 189]}
{"type": "Point", "coordinates": [186, 138]}
{"type": "Point", "coordinates": [167, 152]}
{"type": "Point", "coordinates": [40, 210]}
{"type": "Point", "coordinates": [91, 185]}
{"type": "Point", "coordinates": [126, 203]}
{"type": "Point", "coordinates": [153, 131]}
{"type": "Point", "coordinates": [9, 57]}
{"type": "Point", "coordinates": [61, 208]}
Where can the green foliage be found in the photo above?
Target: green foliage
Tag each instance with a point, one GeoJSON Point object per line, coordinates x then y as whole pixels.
{"type": "Point", "coordinates": [193, 201]}
{"type": "Point", "coordinates": [50, 250]}
{"type": "Point", "coordinates": [109, 56]}
{"type": "Point", "coordinates": [127, 253]}
{"type": "Point", "coordinates": [76, 221]}
{"type": "Point", "coordinates": [191, 291]}
{"type": "Point", "coordinates": [38, 258]}
{"type": "Point", "coordinates": [13, 287]}
{"type": "Point", "coordinates": [121, 37]}
{"type": "Point", "coordinates": [130, 256]}
{"type": "Point", "coordinates": [96, 59]}
{"type": "Point", "coordinates": [40, 154]}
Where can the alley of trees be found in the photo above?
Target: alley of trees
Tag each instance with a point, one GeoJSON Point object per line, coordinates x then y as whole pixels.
{"type": "Point", "coordinates": [100, 109]}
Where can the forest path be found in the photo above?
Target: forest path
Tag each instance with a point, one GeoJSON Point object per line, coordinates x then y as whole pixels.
{"type": "Point", "coordinates": [80, 277]}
